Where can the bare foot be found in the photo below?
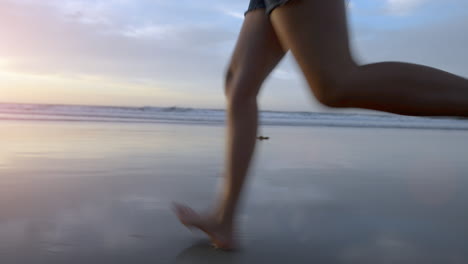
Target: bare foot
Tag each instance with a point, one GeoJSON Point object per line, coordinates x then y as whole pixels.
{"type": "Point", "coordinates": [221, 235]}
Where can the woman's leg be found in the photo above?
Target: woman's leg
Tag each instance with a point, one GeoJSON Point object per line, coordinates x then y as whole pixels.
{"type": "Point", "coordinates": [316, 32]}
{"type": "Point", "coordinates": [256, 54]}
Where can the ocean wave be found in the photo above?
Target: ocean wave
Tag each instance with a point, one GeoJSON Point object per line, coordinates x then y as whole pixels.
{"type": "Point", "coordinates": [150, 114]}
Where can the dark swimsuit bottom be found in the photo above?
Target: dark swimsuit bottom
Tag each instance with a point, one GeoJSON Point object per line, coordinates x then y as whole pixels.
{"type": "Point", "coordinates": [268, 5]}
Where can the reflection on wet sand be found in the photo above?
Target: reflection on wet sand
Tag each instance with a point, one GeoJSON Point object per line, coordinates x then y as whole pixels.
{"type": "Point", "coordinates": [360, 199]}
{"type": "Point", "coordinates": [202, 252]}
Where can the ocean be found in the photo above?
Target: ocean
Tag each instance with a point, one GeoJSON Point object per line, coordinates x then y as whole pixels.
{"type": "Point", "coordinates": [180, 115]}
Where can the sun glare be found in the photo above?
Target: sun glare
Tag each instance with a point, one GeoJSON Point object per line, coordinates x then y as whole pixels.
{"type": "Point", "coordinates": [3, 63]}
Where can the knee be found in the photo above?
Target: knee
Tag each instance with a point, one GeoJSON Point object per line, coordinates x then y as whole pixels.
{"type": "Point", "coordinates": [240, 90]}
{"type": "Point", "coordinates": [334, 88]}
{"type": "Point", "coordinates": [330, 94]}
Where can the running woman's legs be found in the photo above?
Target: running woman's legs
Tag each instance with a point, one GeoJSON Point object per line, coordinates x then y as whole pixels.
{"type": "Point", "coordinates": [316, 33]}
{"type": "Point", "coordinates": [256, 54]}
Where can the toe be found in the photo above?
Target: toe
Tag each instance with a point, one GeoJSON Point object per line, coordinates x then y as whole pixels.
{"type": "Point", "coordinates": [185, 214]}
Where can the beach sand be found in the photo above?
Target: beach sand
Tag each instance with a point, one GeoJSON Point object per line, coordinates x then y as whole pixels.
{"type": "Point", "coordinates": [83, 192]}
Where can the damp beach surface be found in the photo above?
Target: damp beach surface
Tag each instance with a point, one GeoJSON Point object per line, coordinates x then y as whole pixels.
{"type": "Point", "coordinates": [95, 192]}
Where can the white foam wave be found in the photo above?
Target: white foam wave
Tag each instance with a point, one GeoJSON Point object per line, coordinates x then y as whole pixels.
{"type": "Point", "coordinates": [212, 116]}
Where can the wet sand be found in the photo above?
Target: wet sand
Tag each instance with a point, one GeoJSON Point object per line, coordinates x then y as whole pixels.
{"type": "Point", "coordinates": [101, 193]}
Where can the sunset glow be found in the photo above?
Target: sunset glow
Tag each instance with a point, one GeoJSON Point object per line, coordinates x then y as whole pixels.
{"type": "Point", "coordinates": [120, 52]}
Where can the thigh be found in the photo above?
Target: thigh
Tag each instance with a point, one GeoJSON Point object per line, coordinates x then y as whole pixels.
{"type": "Point", "coordinates": [256, 53]}
{"type": "Point", "coordinates": [316, 33]}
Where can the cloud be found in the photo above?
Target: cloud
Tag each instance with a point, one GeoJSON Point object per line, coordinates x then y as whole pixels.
{"type": "Point", "coordinates": [403, 7]}
{"type": "Point", "coordinates": [149, 31]}
{"type": "Point", "coordinates": [86, 13]}
{"type": "Point", "coordinates": [157, 51]}
{"type": "Point", "coordinates": [234, 14]}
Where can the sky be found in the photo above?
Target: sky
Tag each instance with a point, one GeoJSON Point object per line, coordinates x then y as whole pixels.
{"type": "Point", "coordinates": [175, 53]}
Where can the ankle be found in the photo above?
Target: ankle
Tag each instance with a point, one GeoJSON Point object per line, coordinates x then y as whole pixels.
{"type": "Point", "coordinates": [223, 218]}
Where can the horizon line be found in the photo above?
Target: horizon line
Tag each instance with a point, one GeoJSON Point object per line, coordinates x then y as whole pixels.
{"type": "Point", "coordinates": [143, 106]}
